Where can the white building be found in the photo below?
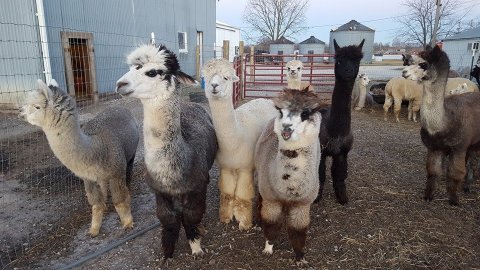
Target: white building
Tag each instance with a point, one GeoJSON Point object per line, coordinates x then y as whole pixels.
{"type": "Point", "coordinates": [459, 49]}
{"type": "Point", "coordinates": [230, 33]}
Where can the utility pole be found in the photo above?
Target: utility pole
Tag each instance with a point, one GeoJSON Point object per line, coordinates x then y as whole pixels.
{"type": "Point", "coordinates": [435, 27]}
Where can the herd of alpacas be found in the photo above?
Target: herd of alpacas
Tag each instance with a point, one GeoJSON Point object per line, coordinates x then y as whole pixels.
{"type": "Point", "coordinates": [271, 149]}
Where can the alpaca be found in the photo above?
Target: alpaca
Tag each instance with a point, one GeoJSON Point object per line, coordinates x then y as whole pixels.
{"type": "Point", "coordinates": [336, 136]}
{"type": "Point", "coordinates": [450, 129]}
{"type": "Point", "coordinates": [101, 152]}
{"type": "Point", "coordinates": [473, 169]}
{"type": "Point", "coordinates": [294, 76]}
{"type": "Point", "coordinates": [407, 59]}
{"type": "Point", "coordinates": [476, 74]}
{"type": "Point", "coordinates": [359, 94]}
{"type": "Point", "coordinates": [453, 83]}
{"type": "Point", "coordinates": [180, 143]}
{"type": "Point", "coordinates": [398, 89]}
{"type": "Point", "coordinates": [286, 155]}
{"type": "Point", "coordinates": [237, 132]}
{"type": "Point", "coordinates": [461, 88]}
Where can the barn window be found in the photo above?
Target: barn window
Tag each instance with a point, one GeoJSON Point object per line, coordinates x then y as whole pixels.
{"type": "Point", "coordinates": [182, 42]}
{"type": "Point", "coordinates": [310, 52]}
{"type": "Point", "coordinates": [280, 52]}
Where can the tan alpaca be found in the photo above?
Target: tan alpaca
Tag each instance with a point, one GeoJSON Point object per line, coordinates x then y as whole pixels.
{"type": "Point", "coordinates": [398, 89]}
{"type": "Point", "coordinates": [294, 76]}
{"type": "Point", "coordinates": [101, 153]}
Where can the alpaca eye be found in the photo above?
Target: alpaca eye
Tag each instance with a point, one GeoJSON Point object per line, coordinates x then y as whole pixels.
{"type": "Point", "coordinates": [280, 111]}
{"type": "Point", "coordinates": [36, 107]}
{"type": "Point", "coordinates": [305, 115]}
{"type": "Point", "coordinates": [151, 73]}
{"type": "Point", "coordinates": [298, 68]}
{"type": "Point", "coordinates": [139, 67]}
{"type": "Point", "coordinates": [225, 78]}
{"type": "Point", "coordinates": [288, 69]}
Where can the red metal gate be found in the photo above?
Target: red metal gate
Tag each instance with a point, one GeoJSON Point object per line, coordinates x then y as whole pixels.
{"type": "Point", "coordinates": [237, 92]}
{"type": "Point", "coordinates": [265, 75]}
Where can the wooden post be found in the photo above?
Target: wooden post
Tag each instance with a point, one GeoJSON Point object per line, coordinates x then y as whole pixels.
{"type": "Point", "coordinates": [241, 51]}
{"type": "Point", "coordinates": [198, 67]}
{"type": "Point", "coordinates": [226, 49]}
{"type": "Point", "coordinates": [252, 61]}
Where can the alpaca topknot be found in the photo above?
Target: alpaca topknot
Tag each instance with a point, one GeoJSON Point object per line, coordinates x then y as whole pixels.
{"type": "Point", "coordinates": [217, 66]}
{"type": "Point", "coordinates": [351, 52]}
{"type": "Point", "coordinates": [297, 100]}
{"type": "Point", "coordinates": [152, 54]}
{"type": "Point", "coordinates": [437, 57]}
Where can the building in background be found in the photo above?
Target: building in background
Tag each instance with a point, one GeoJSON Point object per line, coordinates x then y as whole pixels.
{"type": "Point", "coordinates": [459, 50]}
{"type": "Point", "coordinates": [352, 33]}
{"type": "Point", "coordinates": [311, 45]}
{"type": "Point", "coordinates": [83, 44]}
{"type": "Point", "coordinates": [230, 33]}
{"type": "Point", "coordinates": [282, 46]}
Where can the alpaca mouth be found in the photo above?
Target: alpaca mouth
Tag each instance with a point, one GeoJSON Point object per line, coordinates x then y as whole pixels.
{"type": "Point", "coordinates": [287, 134]}
{"type": "Point", "coordinates": [124, 92]}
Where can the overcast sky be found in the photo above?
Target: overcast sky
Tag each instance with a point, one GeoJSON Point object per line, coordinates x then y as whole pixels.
{"type": "Point", "coordinates": [322, 16]}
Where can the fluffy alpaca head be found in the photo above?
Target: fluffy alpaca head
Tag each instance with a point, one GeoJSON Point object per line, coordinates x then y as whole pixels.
{"type": "Point", "coordinates": [363, 79]}
{"type": "Point", "coordinates": [460, 89]}
{"type": "Point", "coordinates": [407, 59]}
{"type": "Point", "coordinates": [47, 106]}
{"type": "Point", "coordinates": [297, 114]}
{"type": "Point", "coordinates": [428, 66]}
{"type": "Point", "coordinates": [294, 69]}
{"type": "Point", "coordinates": [347, 60]}
{"type": "Point", "coordinates": [219, 76]}
{"type": "Point", "coordinates": [154, 73]}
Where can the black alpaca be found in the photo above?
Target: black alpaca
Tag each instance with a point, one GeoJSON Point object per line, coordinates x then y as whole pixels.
{"type": "Point", "coordinates": [476, 74]}
{"type": "Point", "coordinates": [336, 137]}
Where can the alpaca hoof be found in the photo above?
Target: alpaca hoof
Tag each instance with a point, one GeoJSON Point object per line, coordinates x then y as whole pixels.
{"type": "Point", "coordinates": [268, 250]}
{"type": "Point", "coordinates": [397, 120]}
{"type": "Point", "coordinates": [301, 262]}
{"type": "Point", "coordinates": [428, 198]}
{"type": "Point", "coordinates": [198, 254]}
{"type": "Point", "coordinates": [93, 232]}
{"type": "Point", "coordinates": [342, 198]}
{"type": "Point", "coordinates": [466, 189]}
{"type": "Point", "coordinates": [128, 226]}
{"type": "Point", "coordinates": [225, 220]}
{"type": "Point", "coordinates": [244, 226]}
{"type": "Point", "coordinates": [453, 202]}
{"type": "Point", "coordinates": [357, 108]}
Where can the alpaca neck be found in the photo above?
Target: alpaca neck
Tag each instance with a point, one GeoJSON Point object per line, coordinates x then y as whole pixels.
{"type": "Point", "coordinates": [432, 109]}
{"type": "Point", "coordinates": [303, 150]}
{"type": "Point", "coordinates": [224, 121]}
{"type": "Point", "coordinates": [69, 143]}
{"type": "Point", "coordinates": [340, 112]}
{"type": "Point", "coordinates": [362, 89]}
{"type": "Point", "coordinates": [161, 126]}
{"type": "Point", "coordinates": [294, 83]}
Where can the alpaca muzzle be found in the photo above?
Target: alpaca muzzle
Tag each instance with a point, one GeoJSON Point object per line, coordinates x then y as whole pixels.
{"type": "Point", "coordinates": [286, 133]}
{"type": "Point", "coordinates": [122, 89]}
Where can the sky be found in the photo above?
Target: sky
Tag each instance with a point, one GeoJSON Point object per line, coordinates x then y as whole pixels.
{"type": "Point", "coordinates": [322, 16]}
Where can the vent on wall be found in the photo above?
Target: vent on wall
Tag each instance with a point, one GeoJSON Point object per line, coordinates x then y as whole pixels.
{"type": "Point", "coordinates": [182, 42]}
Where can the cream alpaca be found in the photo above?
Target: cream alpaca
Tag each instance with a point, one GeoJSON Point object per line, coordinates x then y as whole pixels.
{"type": "Point", "coordinates": [237, 132]}
{"type": "Point", "coordinates": [101, 153]}
{"type": "Point", "coordinates": [359, 94]}
{"type": "Point", "coordinates": [294, 76]}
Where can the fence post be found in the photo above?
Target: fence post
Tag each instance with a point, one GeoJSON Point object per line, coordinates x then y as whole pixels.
{"type": "Point", "coordinates": [241, 51]}
{"type": "Point", "coordinates": [252, 61]}
{"type": "Point", "coordinates": [226, 49]}
{"type": "Point", "coordinates": [197, 57]}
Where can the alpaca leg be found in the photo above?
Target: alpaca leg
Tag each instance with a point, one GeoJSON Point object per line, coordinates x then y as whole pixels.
{"type": "Point", "coordinates": [227, 184]}
{"type": "Point", "coordinates": [97, 197]}
{"type": "Point", "coordinates": [415, 109]}
{"type": "Point", "coordinates": [469, 177]}
{"type": "Point", "coordinates": [129, 173]}
{"type": "Point", "coordinates": [193, 210]}
{"type": "Point", "coordinates": [396, 109]}
{"type": "Point", "coordinates": [244, 194]}
{"type": "Point", "coordinates": [321, 176]}
{"type": "Point", "coordinates": [298, 220]}
{"type": "Point", "coordinates": [386, 106]}
{"type": "Point", "coordinates": [339, 174]}
{"type": "Point", "coordinates": [410, 105]}
{"type": "Point", "coordinates": [434, 171]}
{"type": "Point", "coordinates": [271, 215]}
{"type": "Point", "coordinates": [456, 173]}
{"type": "Point", "coordinates": [170, 219]}
{"type": "Point", "coordinates": [121, 200]}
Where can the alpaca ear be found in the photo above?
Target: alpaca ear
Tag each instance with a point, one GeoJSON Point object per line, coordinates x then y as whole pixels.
{"type": "Point", "coordinates": [185, 78]}
{"type": "Point", "coordinates": [43, 89]}
{"type": "Point", "coordinates": [335, 45]}
{"type": "Point", "coordinates": [233, 78]}
{"type": "Point", "coordinates": [361, 44]}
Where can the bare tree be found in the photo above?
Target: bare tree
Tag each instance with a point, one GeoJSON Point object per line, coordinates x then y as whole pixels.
{"type": "Point", "coordinates": [419, 24]}
{"type": "Point", "coordinates": [274, 19]}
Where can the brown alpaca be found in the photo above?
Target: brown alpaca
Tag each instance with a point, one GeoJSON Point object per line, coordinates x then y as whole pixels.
{"type": "Point", "coordinates": [450, 128]}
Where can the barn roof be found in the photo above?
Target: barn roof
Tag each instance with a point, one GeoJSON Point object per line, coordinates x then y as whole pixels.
{"type": "Point", "coordinates": [467, 34]}
{"type": "Point", "coordinates": [353, 26]}
{"type": "Point", "coordinates": [312, 40]}
{"type": "Point", "coordinates": [282, 40]}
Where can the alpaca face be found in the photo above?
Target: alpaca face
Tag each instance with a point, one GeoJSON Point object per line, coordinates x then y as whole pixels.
{"type": "Point", "coordinates": [154, 73]}
{"type": "Point", "coordinates": [297, 115]}
{"type": "Point", "coordinates": [363, 79]}
{"type": "Point", "coordinates": [416, 71]}
{"type": "Point", "coordinates": [47, 106]}
{"type": "Point", "coordinates": [220, 86]}
{"type": "Point", "coordinates": [429, 65]}
{"type": "Point", "coordinates": [347, 61]}
{"type": "Point", "coordinates": [460, 89]}
{"type": "Point", "coordinates": [294, 69]}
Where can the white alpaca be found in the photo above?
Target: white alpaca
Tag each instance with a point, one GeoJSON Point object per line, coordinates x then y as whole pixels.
{"type": "Point", "coordinates": [287, 157]}
{"type": "Point", "coordinates": [461, 88]}
{"type": "Point", "coordinates": [359, 94]}
{"type": "Point", "coordinates": [237, 132]}
{"type": "Point", "coordinates": [463, 85]}
{"type": "Point", "coordinates": [294, 76]}
{"type": "Point", "coordinates": [101, 152]}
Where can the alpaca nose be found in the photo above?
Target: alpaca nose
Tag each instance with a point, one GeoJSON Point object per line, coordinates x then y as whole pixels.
{"type": "Point", "coordinates": [214, 86]}
{"type": "Point", "coordinates": [121, 84]}
{"type": "Point", "coordinates": [404, 72]}
{"type": "Point", "coordinates": [287, 127]}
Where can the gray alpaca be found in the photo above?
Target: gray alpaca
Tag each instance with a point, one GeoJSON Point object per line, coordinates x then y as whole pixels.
{"type": "Point", "coordinates": [101, 154]}
{"type": "Point", "coordinates": [287, 156]}
{"type": "Point", "coordinates": [180, 143]}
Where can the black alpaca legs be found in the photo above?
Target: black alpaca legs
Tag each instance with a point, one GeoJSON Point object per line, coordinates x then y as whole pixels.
{"type": "Point", "coordinates": [321, 176]}
{"type": "Point", "coordinates": [339, 172]}
{"type": "Point", "coordinates": [170, 219]}
{"type": "Point", "coordinates": [193, 210]}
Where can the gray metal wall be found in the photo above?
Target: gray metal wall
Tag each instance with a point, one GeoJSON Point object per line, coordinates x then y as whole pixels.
{"type": "Point", "coordinates": [316, 48]}
{"type": "Point", "coordinates": [286, 48]}
{"type": "Point", "coordinates": [458, 53]}
{"type": "Point", "coordinates": [20, 52]}
{"type": "Point", "coordinates": [345, 38]}
{"type": "Point", "coordinates": [119, 25]}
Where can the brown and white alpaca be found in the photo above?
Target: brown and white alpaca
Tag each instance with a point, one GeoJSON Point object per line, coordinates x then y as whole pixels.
{"type": "Point", "coordinates": [180, 143]}
{"type": "Point", "coordinates": [294, 76]}
{"type": "Point", "coordinates": [359, 93]}
{"type": "Point", "coordinates": [450, 128]}
{"type": "Point", "coordinates": [237, 133]}
{"type": "Point", "coordinates": [287, 156]}
{"type": "Point", "coordinates": [101, 152]}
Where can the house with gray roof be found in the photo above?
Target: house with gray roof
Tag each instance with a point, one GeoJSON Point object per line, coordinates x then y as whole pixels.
{"type": "Point", "coordinates": [311, 45]}
{"type": "Point", "coordinates": [352, 33]}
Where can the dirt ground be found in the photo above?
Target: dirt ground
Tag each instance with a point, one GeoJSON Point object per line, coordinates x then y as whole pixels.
{"type": "Point", "coordinates": [386, 224]}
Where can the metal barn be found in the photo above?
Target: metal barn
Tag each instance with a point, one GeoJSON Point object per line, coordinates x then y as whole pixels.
{"type": "Point", "coordinates": [459, 49]}
{"type": "Point", "coordinates": [311, 45]}
{"type": "Point", "coordinates": [282, 46]}
{"type": "Point", "coordinates": [352, 33]}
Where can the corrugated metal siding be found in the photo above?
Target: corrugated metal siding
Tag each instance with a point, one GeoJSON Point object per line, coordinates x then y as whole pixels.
{"type": "Point", "coordinates": [345, 38]}
{"type": "Point", "coordinates": [459, 54]}
{"type": "Point", "coordinates": [316, 48]}
{"type": "Point", "coordinates": [118, 25]}
{"type": "Point", "coordinates": [20, 54]}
